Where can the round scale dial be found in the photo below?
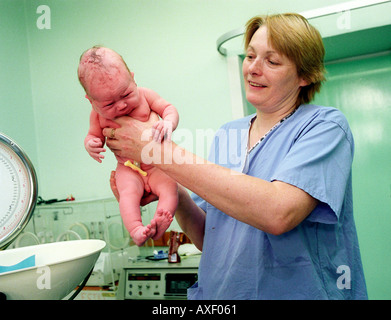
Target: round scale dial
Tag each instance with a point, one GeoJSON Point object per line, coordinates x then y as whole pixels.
{"type": "Point", "coordinates": [18, 190]}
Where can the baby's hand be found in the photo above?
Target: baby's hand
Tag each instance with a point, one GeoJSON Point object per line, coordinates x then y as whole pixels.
{"type": "Point", "coordinates": [94, 148]}
{"type": "Point", "coordinates": [162, 129]}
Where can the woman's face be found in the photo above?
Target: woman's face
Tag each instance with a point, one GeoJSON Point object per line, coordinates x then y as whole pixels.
{"type": "Point", "coordinates": [270, 78]}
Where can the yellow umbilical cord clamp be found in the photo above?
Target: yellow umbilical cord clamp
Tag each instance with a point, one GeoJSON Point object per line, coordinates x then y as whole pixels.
{"type": "Point", "coordinates": [135, 168]}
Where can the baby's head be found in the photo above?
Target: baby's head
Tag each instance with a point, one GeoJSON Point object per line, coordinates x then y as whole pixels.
{"type": "Point", "coordinates": [98, 66]}
{"type": "Point", "coordinates": [108, 83]}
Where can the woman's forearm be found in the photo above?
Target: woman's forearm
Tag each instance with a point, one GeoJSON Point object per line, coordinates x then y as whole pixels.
{"type": "Point", "coordinates": [274, 207]}
{"type": "Point", "coordinates": [230, 192]}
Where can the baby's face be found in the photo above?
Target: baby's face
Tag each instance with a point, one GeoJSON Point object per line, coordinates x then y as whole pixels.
{"type": "Point", "coordinates": [114, 95]}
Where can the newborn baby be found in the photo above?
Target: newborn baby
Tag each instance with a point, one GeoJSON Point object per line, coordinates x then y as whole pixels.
{"type": "Point", "coordinates": [112, 91]}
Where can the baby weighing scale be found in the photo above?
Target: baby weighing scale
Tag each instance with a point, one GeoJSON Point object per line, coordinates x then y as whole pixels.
{"type": "Point", "coordinates": [45, 271]}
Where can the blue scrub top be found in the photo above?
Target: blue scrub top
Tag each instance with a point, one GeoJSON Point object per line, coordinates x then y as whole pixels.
{"type": "Point", "coordinates": [319, 259]}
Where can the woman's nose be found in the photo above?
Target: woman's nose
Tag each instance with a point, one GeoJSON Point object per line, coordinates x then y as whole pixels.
{"type": "Point", "coordinates": [255, 67]}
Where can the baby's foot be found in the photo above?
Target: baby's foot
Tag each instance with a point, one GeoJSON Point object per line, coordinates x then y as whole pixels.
{"type": "Point", "coordinates": [163, 219]}
{"type": "Point", "coordinates": [141, 234]}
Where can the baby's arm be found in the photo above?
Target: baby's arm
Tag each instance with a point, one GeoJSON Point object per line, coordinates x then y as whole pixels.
{"type": "Point", "coordinates": [166, 111]}
{"type": "Point", "coordinates": [95, 139]}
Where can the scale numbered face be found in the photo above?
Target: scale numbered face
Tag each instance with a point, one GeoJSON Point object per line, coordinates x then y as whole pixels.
{"type": "Point", "coordinates": [18, 190]}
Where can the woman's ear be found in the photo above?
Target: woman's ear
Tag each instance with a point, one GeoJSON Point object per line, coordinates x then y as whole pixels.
{"type": "Point", "coordinates": [303, 82]}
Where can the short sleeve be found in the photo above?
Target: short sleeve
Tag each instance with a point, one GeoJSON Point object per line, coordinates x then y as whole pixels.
{"type": "Point", "coordinates": [319, 162]}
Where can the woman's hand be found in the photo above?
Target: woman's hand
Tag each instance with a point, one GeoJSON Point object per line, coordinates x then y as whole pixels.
{"type": "Point", "coordinates": [133, 135]}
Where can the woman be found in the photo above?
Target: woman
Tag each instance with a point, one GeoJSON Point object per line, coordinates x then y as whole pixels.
{"type": "Point", "coordinates": [282, 227]}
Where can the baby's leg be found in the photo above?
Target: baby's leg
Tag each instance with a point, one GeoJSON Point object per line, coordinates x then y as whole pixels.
{"type": "Point", "coordinates": [131, 189]}
{"type": "Point", "coordinates": [167, 191]}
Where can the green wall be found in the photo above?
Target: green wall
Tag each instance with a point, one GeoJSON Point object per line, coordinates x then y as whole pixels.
{"type": "Point", "coordinates": [16, 107]}
{"type": "Point", "coordinates": [171, 47]}
{"type": "Point", "coordinates": [361, 89]}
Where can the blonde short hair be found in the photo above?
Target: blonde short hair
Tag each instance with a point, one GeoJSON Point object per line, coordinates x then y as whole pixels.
{"type": "Point", "coordinates": [291, 35]}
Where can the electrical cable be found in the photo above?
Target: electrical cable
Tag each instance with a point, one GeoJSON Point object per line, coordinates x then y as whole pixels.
{"type": "Point", "coordinates": [50, 201]}
{"type": "Point", "coordinates": [81, 286]}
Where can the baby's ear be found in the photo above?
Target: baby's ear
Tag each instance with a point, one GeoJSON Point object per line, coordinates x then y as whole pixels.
{"type": "Point", "coordinates": [88, 98]}
{"type": "Point", "coordinates": [132, 74]}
